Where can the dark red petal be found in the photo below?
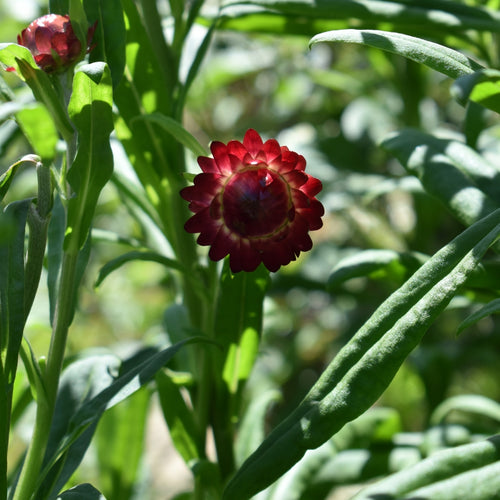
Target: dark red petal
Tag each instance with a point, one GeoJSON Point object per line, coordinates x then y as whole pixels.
{"type": "Point", "coordinates": [276, 256]}
{"type": "Point", "coordinates": [312, 187]}
{"type": "Point", "coordinates": [208, 182]}
{"type": "Point", "coordinates": [208, 165]}
{"type": "Point", "coordinates": [252, 142]}
{"type": "Point", "coordinates": [45, 61]}
{"type": "Point", "coordinates": [236, 163]}
{"type": "Point", "coordinates": [237, 149]}
{"type": "Point", "coordinates": [207, 236]}
{"type": "Point", "coordinates": [295, 178]}
{"type": "Point", "coordinates": [43, 38]}
{"type": "Point", "coordinates": [272, 150]}
{"type": "Point", "coordinates": [199, 222]}
{"type": "Point", "coordinates": [299, 236]}
{"type": "Point", "coordinates": [301, 163]}
{"type": "Point", "coordinates": [219, 151]}
{"type": "Point", "coordinates": [245, 258]}
{"type": "Point", "coordinates": [221, 246]}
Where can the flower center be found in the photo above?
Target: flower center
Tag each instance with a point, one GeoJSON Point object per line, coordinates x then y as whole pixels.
{"type": "Point", "coordinates": [256, 202]}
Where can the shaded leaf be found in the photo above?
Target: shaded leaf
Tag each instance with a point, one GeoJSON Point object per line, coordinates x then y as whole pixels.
{"type": "Point", "coordinates": [109, 36]}
{"type": "Point", "coordinates": [377, 263]}
{"type": "Point", "coordinates": [481, 86]}
{"type": "Point", "coordinates": [474, 404]}
{"type": "Point", "coordinates": [492, 307]}
{"type": "Point", "coordinates": [135, 255]}
{"type": "Point", "coordinates": [180, 419]}
{"type": "Point", "coordinates": [81, 492]}
{"type": "Point", "coordinates": [450, 171]}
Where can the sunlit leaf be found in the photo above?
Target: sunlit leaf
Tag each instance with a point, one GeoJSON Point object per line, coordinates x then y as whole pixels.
{"type": "Point", "coordinates": [438, 57]}
{"type": "Point", "coordinates": [90, 109]}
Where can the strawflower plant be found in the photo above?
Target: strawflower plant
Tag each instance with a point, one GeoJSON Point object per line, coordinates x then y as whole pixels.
{"type": "Point", "coordinates": [307, 335]}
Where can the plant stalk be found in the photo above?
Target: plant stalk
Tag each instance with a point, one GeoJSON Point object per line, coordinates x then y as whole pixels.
{"type": "Point", "coordinates": [30, 474]}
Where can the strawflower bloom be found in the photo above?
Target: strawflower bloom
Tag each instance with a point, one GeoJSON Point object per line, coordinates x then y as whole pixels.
{"type": "Point", "coordinates": [53, 43]}
{"type": "Point", "coordinates": [254, 202]}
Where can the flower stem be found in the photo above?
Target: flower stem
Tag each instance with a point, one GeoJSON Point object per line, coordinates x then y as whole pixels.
{"type": "Point", "coordinates": [46, 399]}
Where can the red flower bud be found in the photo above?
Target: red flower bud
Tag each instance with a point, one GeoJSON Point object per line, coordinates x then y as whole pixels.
{"type": "Point", "coordinates": [53, 43]}
{"type": "Point", "coordinates": [255, 203]}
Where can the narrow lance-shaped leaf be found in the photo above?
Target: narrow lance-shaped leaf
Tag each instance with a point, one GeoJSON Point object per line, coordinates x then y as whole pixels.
{"type": "Point", "coordinates": [180, 419]}
{"type": "Point", "coordinates": [90, 109]}
{"type": "Point", "coordinates": [492, 307]}
{"type": "Point", "coordinates": [450, 171]}
{"type": "Point", "coordinates": [438, 57]}
{"type": "Point", "coordinates": [467, 403]}
{"type": "Point", "coordinates": [109, 36]}
{"type": "Point", "coordinates": [362, 370]}
{"type": "Point", "coordinates": [174, 128]}
{"type": "Point", "coordinates": [238, 321]}
{"type": "Point", "coordinates": [471, 469]}
{"type": "Point", "coordinates": [300, 16]}
{"type": "Point", "coordinates": [12, 312]}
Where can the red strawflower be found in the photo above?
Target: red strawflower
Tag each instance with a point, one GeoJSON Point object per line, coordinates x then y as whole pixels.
{"type": "Point", "coordinates": [254, 202]}
{"type": "Point", "coordinates": [53, 43]}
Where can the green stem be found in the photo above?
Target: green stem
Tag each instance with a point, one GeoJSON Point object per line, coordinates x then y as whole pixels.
{"type": "Point", "coordinates": [5, 410]}
{"type": "Point", "coordinates": [30, 474]}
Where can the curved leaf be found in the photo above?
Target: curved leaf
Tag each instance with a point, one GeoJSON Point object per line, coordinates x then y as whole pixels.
{"type": "Point", "coordinates": [450, 171]}
{"type": "Point", "coordinates": [436, 56]}
{"type": "Point", "coordinates": [116, 263]}
{"type": "Point", "coordinates": [470, 403]}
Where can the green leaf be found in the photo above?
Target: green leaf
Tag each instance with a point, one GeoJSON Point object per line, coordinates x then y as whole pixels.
{"type": "Point", "coordinates": [474, 404]}
{"type": "Point", "coordinates": [12, 315]}
{"type": "Point", "coordinates": [238, 322]}
{"type": "Point", "coordinates": [471, 469]}
{"type": "Point", "coordinates": [482, 87]}
{"type": "Point", "coordinates": [12, 282]}
{"type": "Point", "coordinates": [79, 21]}
{"type": "Point", "coordinates": [59, 6]}
{"type": "Point", "coordinates": [7, 177]}
{"type": "Point", "coordinates": [20, 58]}
{"type": "Point", "coordinates": [492, 307]}
{"type": "Point", "coordinates": [110, 35]}
{"type": "Point", "coordinates": [89, 387]}
{"type": "Point", "coordinates": [450, 171]}
{"type": "Point", "coordinates": [180, 419]}
{"type": "Point", "coordinates": [146, 256]}
{"type": "Point", "coordinates": [174, 128]}
{"type": "Point", "coordinates": [375, 263]}
{"type": "Point", "coordinates": [438, 57]}
{"type": "Point", "coordinates": [303, 16]}
{"type": "Point", "coordinates": [81, 492]}
{"type": "Point", "coordinates": [363, 369]}
{"type": "Point", "coordinates": [120, 441]}
{"type": "Point", "coordinates": [251, 431]}
{"type": "Point", "coordinates": [38, 127]}
{"type": "Point", "coordinates": [90, 109]}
